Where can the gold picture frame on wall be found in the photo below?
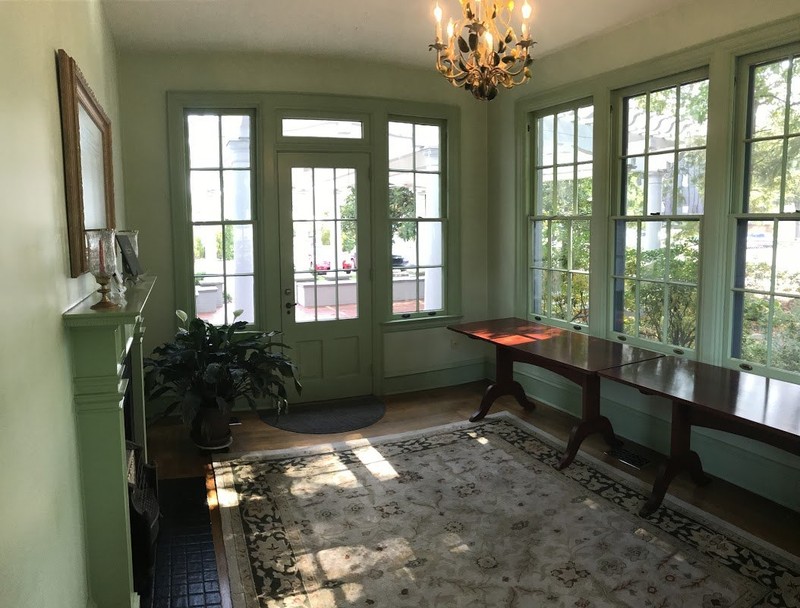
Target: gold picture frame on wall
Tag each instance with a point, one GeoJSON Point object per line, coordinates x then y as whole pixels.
{"type": "Point", "coordinates": [88, 160]}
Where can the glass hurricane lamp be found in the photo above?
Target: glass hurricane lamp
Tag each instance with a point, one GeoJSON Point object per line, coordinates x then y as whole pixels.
{"type": "Point", "coordinates": [101, 259]}
{"type": "Point", "coordinates": [482, 51]}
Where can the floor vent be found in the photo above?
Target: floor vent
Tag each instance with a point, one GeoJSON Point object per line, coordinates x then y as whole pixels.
{"type": "Point", "coordinates": [632, 459]}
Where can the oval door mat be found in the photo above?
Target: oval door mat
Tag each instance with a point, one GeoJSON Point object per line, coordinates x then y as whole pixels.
{"type": "Point", "coordinates": [335, 416]}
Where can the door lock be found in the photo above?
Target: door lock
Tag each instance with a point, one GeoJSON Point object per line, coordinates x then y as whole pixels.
{"type": "Point", "coordinates": [289, 306]}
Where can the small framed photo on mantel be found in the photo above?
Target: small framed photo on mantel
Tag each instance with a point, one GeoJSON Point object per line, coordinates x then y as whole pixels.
{"type": "Point", "coordinates": [130, 261]}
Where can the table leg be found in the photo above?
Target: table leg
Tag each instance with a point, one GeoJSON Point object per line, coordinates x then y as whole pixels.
{"type": "Point", "coordinates": [504, 384]}
{"type": "Point", "coordinates": [681, 458]}
{"type": "Point", "coordinates": [591, 421]}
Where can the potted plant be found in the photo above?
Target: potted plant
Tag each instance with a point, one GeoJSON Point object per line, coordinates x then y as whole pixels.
{"type": "Point", "coordinates": [206, 368]}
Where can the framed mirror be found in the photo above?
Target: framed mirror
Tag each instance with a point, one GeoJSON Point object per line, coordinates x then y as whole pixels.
{"type": "Point", "coordinates": [88, 169]}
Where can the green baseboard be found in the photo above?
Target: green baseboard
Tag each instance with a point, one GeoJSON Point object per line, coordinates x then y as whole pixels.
{"type": "Point", "coordinates": [457, 373]}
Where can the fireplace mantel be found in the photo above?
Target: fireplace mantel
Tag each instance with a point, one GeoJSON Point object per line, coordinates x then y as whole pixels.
{"type": "Point", "coordinates": [99, 343]}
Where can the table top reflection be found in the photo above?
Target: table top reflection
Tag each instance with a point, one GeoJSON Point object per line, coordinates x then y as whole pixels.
{"type": "Point", "coordinates": [763, 401]}
{"type": "Point", "coordinates": [569, 348]}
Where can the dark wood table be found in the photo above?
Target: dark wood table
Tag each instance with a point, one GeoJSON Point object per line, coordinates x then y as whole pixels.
{"type": "Point", "coordinates": [575, 356]}
{"type": "Point", "coordinates": [717, 398]}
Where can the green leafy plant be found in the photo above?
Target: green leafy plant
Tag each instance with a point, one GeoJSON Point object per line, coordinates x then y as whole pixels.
{"type": "Point", "coordinates": [210, 367]}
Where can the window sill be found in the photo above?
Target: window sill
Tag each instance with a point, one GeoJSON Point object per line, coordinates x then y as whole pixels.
{"type": "Point", "coordinates": [419, 323]}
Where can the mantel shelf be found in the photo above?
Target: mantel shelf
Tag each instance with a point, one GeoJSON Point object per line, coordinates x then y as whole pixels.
{"type": "Point", "coordinates": [82, 314]}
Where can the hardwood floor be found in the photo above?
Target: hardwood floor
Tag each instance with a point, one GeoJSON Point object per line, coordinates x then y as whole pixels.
{"type": "Point", "coordinates": [171, 448]}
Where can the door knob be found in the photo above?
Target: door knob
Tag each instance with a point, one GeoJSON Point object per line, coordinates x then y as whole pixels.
{"type": "Point", "coordinates": [290, 305]}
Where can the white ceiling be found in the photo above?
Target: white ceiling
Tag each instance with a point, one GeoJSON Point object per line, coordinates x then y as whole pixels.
{"type": "Point", "coordinates": [396, 31]}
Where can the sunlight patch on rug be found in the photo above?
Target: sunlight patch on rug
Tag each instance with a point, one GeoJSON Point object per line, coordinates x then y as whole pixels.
{"type": "Point", "coordinates": [475, 515]}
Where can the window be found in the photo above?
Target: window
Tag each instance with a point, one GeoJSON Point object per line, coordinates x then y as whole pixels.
{"type": "Point", "coordinates": [661, 157]}
{"type": "Point", "coordinates": [220, 180]}
{"type": "Point", "coordinates": [766, 289]}
{"type": "Point", "coordinates": [562, 209]}
{"type": "Point", "coordinates": [417, 218]}
{"type": "Point", "coordinates": [322, 128]}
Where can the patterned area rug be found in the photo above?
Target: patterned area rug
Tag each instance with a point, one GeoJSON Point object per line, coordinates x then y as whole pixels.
{"type": "Point", "coordinates": [476, 515]}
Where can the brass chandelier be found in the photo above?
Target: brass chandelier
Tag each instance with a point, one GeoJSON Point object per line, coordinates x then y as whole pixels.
{"type": "Point", "coordinates": [482, 51]}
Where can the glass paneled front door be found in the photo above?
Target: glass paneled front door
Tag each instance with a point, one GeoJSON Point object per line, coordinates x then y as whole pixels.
{"type": "Point", "coordinates": [325, 263]}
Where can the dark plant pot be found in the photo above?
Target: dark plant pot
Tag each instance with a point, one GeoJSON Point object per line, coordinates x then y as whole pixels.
{"type": "Point", "coordinates": [210, 430]}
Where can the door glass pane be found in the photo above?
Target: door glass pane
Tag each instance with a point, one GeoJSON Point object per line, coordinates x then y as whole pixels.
{"type": "Point", "coordinates": [312, 127]}
{"type": "Point", "coordinates": [203, 141]}
{"type": "Point", "coordinates": [324, 246]}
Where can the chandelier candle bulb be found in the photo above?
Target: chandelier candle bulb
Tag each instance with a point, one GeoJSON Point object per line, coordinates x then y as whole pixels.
{"type": "Point", "coordinates": [477, 55]}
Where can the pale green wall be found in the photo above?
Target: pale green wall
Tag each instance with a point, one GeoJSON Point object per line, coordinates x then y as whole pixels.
{"type": "Point", "coordinates": [145, 79]}
{"type": "Point", "coordinates": [635, 53]}
{"type": "Point", "coordinates": [41, 529]}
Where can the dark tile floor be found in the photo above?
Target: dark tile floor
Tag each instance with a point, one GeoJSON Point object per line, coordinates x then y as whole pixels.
{"type": "Point", "coordinates": [186, 567]}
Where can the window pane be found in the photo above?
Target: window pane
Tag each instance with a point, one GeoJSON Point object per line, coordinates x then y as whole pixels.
{"type": "Point", "coordinates": [754, 327]}
{"type": "Point", "coordinates": [630, 247]}
{"type": "Point", "coordinates": [545, 205]}
{"type": "Point", "coordinates": [565, 138]}
{"type": "Point", "coordinates": [694, 114]}
{"type": "Point", "coordinates": [633, 203]}
{"type": "Point", "coordinates": [431, 289]}
{"type": "Point", "coordinates": [559, 284]}
{"type": "Point", "coordinates": [311, 127]}
{"type": "Point", "coordinates": [651, 310]}
{"type": "Point", "coordinates": [239, 295]}
{"type": "Point", "coordinates": [236, 141]}
{"type": "Point", "coordinates": [428, 201]}
{"type": "Point", "coordinates": [585, 189]}
{"type": "Point", "coordinates": [585, 133]}
{"type": "Point", "coordinates": [204, 191]}
{"type": "Point", "coordinates": [785, 330]}
{"type": "Point", "coordinates": [540, 239]}
{"type": "Point", "coordinates": [431, 243]}
{"type": "Point", "coordinates": [203, 141]}
{"type": "Point", "coordinates": [580, 298]}
{"type": "Point", "coordinates": [559, 239]}
{"type": "Point", "coordinates": [791, 201]}
{"type": "Point", "coordinates": [209, 298]}
{"type": "Point", "coordinates": [401, 146]}
{"type": "Point", "coordinates": [794, 103]}
{"type": "Point", "coordinates": [236, 194]}
{"type": "Point", "coordinates": [544, 145]}
{"type": "Point", "coordinates": [538, 281]}
{"type": "Point", "coordinates": [682, 315]}
{"type": "Point", "coordinates": [765, 173]}
{"type": "Point", "coordinates": [625, 311]}
{"type": "Point", "coordinates": [565, 205]}
{"type": "Point", "coordinates": [426, 142]}
{"type": "Point", "coordinates": [635, 109]}
{"type": "Point", "coordinates": [580, 245]}
{"type": "Point", "coordinates": [660, 176]}
{"type": "Point", "coordinates": [663, 105]}
{"type": "Point", "coordinates": [787, 277]}
{"type": "Point", "coordinates": [691, 182]}
{"type": "Point", "coordinates": [684, 252]}
{"type": "Point", "coordinates": [769, 98]}
{"type": "Point", "coordinates": [207, 258]}
{"type": "Point", "coordinates": [238, 248]}
{"type": "Point", "coordinates": [653, 243]}
{"type": "Point", "coordinates": [404, 244]}
{"type": "Point", "coordinates": [406, 291]}
{"type": "Point", "coordinates": [758, 256]}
